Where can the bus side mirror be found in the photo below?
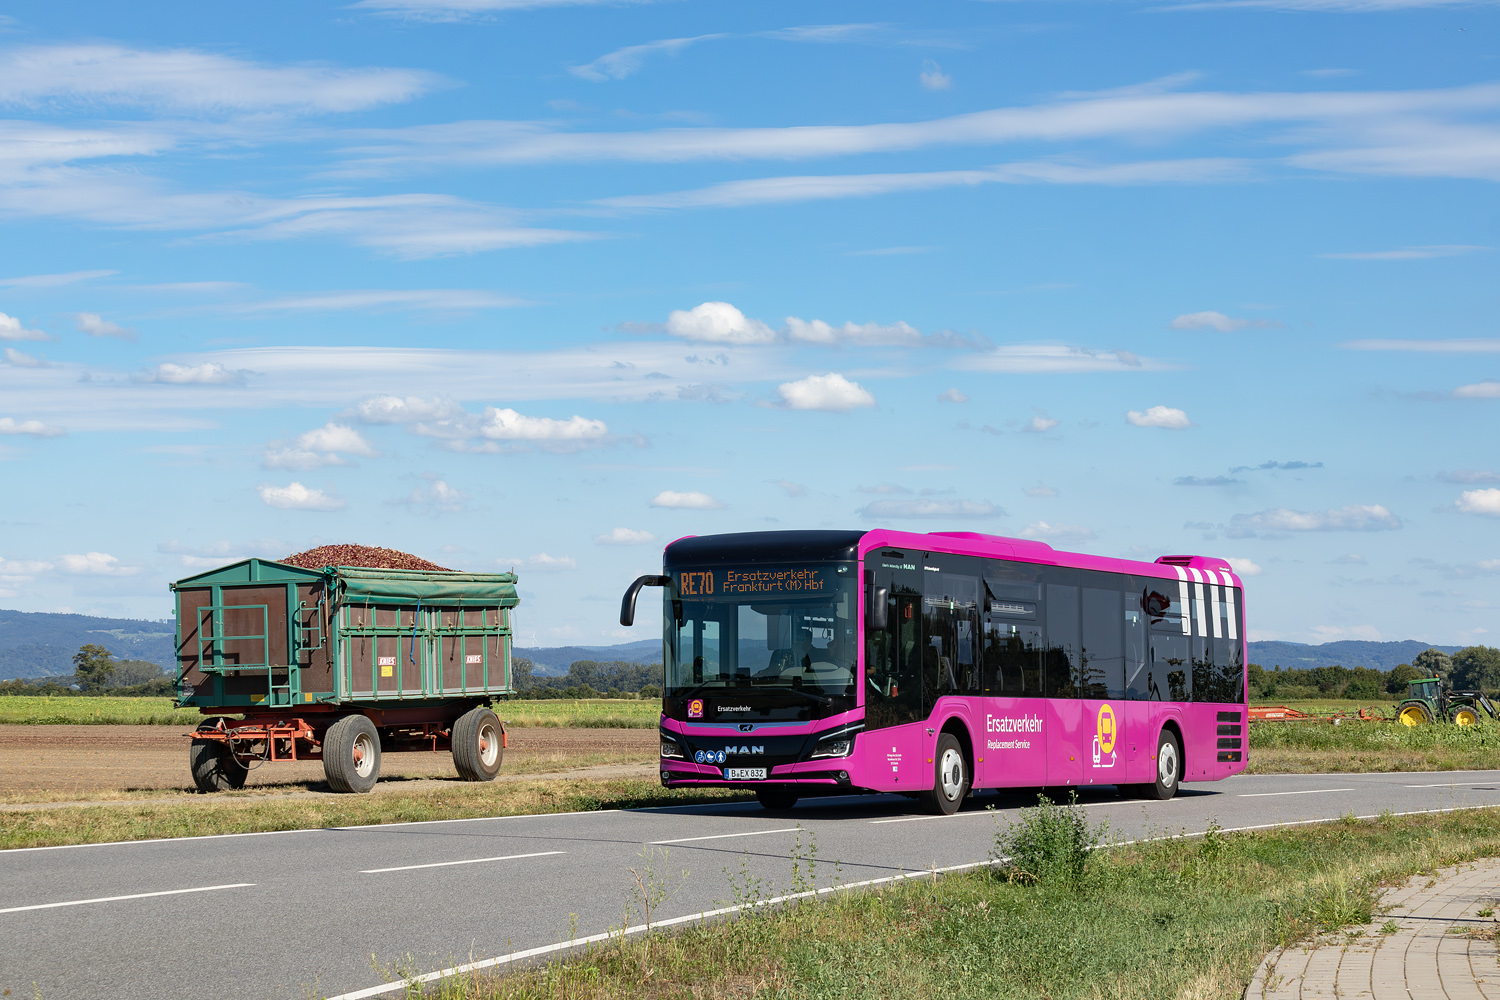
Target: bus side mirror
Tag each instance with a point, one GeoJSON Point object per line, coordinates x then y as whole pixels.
{"type": "Point", "coordinates": [880, 615]}
{"type": "Point", "coordinates": [627, 604]}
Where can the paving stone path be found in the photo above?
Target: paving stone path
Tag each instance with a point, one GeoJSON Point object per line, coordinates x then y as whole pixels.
{"type": "Point", "coordinates": [1441, 948]}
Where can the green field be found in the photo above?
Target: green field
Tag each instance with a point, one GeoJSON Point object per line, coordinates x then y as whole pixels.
{"type": "Point", "coordinates": [593, 713]}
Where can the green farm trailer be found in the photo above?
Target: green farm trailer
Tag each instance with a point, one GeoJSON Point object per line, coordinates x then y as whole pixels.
{"type": "Point", "coordinates": [342, 664]}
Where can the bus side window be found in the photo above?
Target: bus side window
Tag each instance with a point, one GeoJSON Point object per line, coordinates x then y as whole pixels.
{"type": "Point", "coordinates": [1169, 672]}
{"type": "Point", "coordinates": [1061, 672]}
{"type": "Point", "coordinates": [1229, 666]}
{"type": "Point", "coordinates": [1012, 659]}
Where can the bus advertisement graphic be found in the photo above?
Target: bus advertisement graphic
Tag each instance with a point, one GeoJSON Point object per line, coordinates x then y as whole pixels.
{"type": "Point", "coordinates": [1105, 734]}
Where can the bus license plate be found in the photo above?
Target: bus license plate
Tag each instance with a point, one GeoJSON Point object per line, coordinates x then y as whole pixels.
{"type": "Point", "coordinates": [744, 773]}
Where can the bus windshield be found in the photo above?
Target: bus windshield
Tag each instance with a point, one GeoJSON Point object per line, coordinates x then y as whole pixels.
{"type": "Point", "coordinates": [764, 642]}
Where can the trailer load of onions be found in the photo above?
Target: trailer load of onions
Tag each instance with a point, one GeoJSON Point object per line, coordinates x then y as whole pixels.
{"type": "Point", "coordinates": [367, 556]}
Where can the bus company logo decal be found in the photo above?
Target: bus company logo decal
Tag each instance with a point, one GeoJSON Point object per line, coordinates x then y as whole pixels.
{"type": "Point", "coordinates": [695, 708]}
{"type": "Point", "coordinates": [1012, 724]}
{"type": "Point", "coordinates": [745, 751]}
{"type": "Point", "coordinates": [898, 565]}
{"type": "Point", "coordinates": [1106, 732]}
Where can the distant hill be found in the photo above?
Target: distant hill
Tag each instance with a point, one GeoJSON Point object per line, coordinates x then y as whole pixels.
{"type": "Point", "coordinates": [39, 644]}
{"type": "Point", "coordinates": [1344, 653]}
{"type": "Point", "coordinates": [553, 661]}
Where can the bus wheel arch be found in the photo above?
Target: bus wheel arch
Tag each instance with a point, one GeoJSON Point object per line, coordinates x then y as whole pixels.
{"type": "Point", "coordinates": [959, 730]}
{"type": "Point", "coordinates": [952, 770]}
{"type": "Point", "coordinates": [1170, 755]}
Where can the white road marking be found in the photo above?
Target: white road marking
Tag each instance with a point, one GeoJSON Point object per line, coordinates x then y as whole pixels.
{"type": "Point", "coordinates": [1305, 791]}
{"type": "Point", "coordinates": [468, 861]}
{"type": "Point", "coordinates": [918, 819]}
{"type": "Point", "coordinates": [725, 836]}
{"type": "Point", "coordinates": [113, 899]}
{"type": "Point", "coordinates": [1451, 784]}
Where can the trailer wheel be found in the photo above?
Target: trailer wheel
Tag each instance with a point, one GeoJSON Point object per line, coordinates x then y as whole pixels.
{"type": "Point", "coordinates": [351, 754]}
{"type": "Point", "coordinates": [776, 799]}
{"type": "Point", "coordinates": [950, 777]}
{"type": "Point", "coordinates": [213, 764]}
{"type": "Point", "coordinates": [477, 747]}
{"type": "Point", "coordinates": [1168, 768]}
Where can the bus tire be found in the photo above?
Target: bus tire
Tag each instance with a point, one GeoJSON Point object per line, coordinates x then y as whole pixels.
{"type": "Point", "coordinates": [950, 777]}
{"type": "Point", "coordinates": [477, 745]}
{"type": "Point", "coordinates": [1168, 768]}
{"type": "Point", "coordinates": [351, 754]}
{"type": "Point", "coordinates": [213, 765]}
{"type": "Point", "coordinates": [776, 799]}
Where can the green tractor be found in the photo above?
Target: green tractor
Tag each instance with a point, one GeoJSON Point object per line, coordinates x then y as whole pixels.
{"type": "Point", "coordinates": [1426, 702]}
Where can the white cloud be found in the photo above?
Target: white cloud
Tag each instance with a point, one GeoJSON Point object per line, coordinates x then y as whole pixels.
{"type": "Point", "coordinates": [545, 432]}
{"type": "Point", "coordinates": [792, 489]}
{"type": "Point", "coordinates": [619, 64]}
{"type": "Point", "coordinates": [625, 536]}
{"type": "Point", "coordinates": [219, 553]}
{"type": "Point", "coordinates": [686, 501]}
{"type": "Point", "coordinates": [96, 326]}
{"type": "Point", "coordinates": [462, 10]}
{"type": "Point", "coordinates": [1470, 476]}
{"type": "Point", "coordinates": [319, 447]}
{"type": "Point", "coordinates": [1052, 359]}
{"type": "Point", "coordinates": [21, 570]}
{"type": "Point", "coordinates": [1040, 424]}
{"type": "Point", "coordinates": [1354, 517]}
{"type": "Point", "coordinates": [437, 497]}
{"type": "Point", "coordinates": [208, 373]}
{"type": "Point", "coordinates": [1485, 501]}
{"type": "Point", "coordinates": [831, 392]}
{"type": "Point", "coordinates": [929, 508]}
{"type": "Point", "coordinates": [1217, 321]}
{"type": "Point", "coordinates": [1479, 390]}
{"type": "Point", "coordinates": [434, 299]}
{"type": "Point", "coordinates": [53, 280]}
{"type": "Point", "coordinates": [540, 563]}
{"type": "Point", "coordinates": [94, 564]}
{"type": "Point", "coordinates": [35, 428]}
{"type": "Point", "coordinates": [1164, 417]}
{"type": "Point", "coordinates": [952, 396]}
{"type": "Point", "coordinates": [1040, 490]}
{"type": "Point", "coordinates": [718, 323]}
{"type": "Point", "coordinates": [406, 409]}
{"type": "Point", "coordinates": [11, 329]}
{"type": "Point", "coordinates": [859, 334]}
{"type": "Point", "coordinates": [295, 496]}
{"type": "Point", "coordinates": [1466, 345]}
{"type": "Point", "coordinates": [1242, 566]}
{"type": "Point", "coordinates": [23, 360]}
{"type": "Point", "coordinates": [1045, 531]}
{"type": "Point", "coordinates": [1407, 253]}
{"type": "Point", "coordinates": [933, 77]}
{"type": "Point", "coordinates": [184, 80]}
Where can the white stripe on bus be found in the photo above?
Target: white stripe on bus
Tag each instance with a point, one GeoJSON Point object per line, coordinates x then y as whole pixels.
{"type": "Point", "coordinates": [1234, 628]}
{"type": "Point", "coordinates": [1182, 601]}
{"type": "Point", "coordinates": [1202, 612]}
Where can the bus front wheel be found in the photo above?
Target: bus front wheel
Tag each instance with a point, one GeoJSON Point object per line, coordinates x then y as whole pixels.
{"type": "Point", "coordinates": [950, 779]}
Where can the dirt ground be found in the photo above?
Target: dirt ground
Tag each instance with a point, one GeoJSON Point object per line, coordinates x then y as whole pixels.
{"type": "Point", "coordinates": [48, 763]}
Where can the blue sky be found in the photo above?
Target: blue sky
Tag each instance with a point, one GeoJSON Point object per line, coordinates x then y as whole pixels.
{"type": "Point", "coordinates": [545, 285]}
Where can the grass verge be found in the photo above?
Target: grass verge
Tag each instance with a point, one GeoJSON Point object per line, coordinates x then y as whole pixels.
{"type": "Point", "coordinates": [587, 713]}
{"type": "Point", "coordinates": [1186, 919]}
{"type": "Point", "coordinates": [187, 815]}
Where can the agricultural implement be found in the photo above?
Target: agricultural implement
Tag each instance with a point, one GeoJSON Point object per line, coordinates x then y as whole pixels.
{"type": "Point", "coordinates": [342, 664]}
{"type": "Point", "coordinates": [1428, 701]}
{"type": "Point", "coordinates": [1281, 713]}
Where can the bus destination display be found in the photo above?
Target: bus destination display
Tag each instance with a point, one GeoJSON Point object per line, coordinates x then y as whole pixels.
{"type": "Point", "coordinates": [756, 582]}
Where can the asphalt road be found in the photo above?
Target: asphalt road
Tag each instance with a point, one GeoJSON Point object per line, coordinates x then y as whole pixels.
{"type": "Point", "coordinates": [301, 913]}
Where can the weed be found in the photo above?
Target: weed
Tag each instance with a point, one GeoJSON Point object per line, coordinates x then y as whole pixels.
{"type": "Point", "coordinates": [1050, 844]}
{"type": "Point", "coordinates": [1390, 927]}
{"type": "Point", "coordinates": [1342, 899]}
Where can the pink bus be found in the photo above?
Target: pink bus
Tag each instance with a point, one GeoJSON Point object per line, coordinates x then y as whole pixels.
{"type": "Point", "coordinates": [802, 663]}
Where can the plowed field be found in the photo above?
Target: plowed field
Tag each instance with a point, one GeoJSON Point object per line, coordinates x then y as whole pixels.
{"type": "Point", "coordinates": [48, 763]}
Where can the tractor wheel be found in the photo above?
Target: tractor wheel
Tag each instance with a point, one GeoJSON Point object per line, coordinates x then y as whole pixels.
{"type": "Point", "coordinates": [351, 754]}
{"type": "Point", "coordinates": [1463, 715]}
{"type": "Point", "coordinates": [477, 745]}
{"type": "Point", "coordinates": [1414, 713]}
{"type": "Point", "coordinates": [213, 764]}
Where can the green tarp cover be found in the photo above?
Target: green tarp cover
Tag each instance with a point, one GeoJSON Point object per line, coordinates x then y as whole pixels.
{"type": "Point", "coordinates": [407, 586]}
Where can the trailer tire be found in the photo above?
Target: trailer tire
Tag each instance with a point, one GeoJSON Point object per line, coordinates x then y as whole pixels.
{"type": "Point", "coordinates": [1168, 768]}
{"type": "Point", "coordinates": [351, 754]}
{"type": "Point", "coordinates": [951, 779]}
{"type": "Point", "coordinates": [477, 745]}
{"type": "Point", "coordinates": [213, 765]}
{"type": "Point", "coordinates": [776, 799]}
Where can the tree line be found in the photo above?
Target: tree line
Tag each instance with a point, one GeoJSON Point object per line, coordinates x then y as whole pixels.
{"type": "Point", "coordinates": [589, 679]}
{"type": "Point", "coordinates": [1471, 668]}
{"type": "Point", "coordinates": [95, 672]}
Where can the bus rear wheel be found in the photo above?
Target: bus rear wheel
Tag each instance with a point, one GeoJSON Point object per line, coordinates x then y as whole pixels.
{"type": "Point", "coordinates": [1168, 768]}
{"type": "Point", "coordinates": [950, 778]}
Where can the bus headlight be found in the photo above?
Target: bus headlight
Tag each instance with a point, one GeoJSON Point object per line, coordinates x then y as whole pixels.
{"type": "Point", "coordinates": [669, 748]}
{"type": "Point", "coordinates": [833, 748]}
